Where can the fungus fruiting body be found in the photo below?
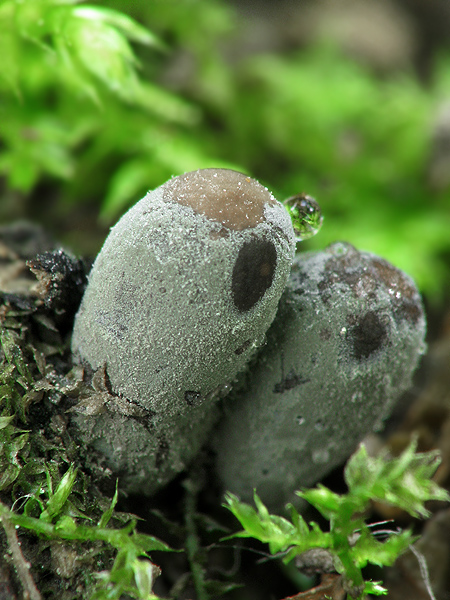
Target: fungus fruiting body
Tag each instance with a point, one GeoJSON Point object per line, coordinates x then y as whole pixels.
{"type": "Point", "coordinates": [347, 338]}
{"type": "Point", "coordinates": [178, 300]}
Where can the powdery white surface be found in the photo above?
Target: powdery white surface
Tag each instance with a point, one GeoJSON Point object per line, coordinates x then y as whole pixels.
{"type": "Point", "coordinates": [159, 313]}
{"type": "Point", "coordinates": [347, 338]}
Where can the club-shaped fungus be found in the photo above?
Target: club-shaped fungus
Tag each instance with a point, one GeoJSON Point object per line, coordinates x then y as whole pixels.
{"type": "Point", "coordinates": [178, 300]}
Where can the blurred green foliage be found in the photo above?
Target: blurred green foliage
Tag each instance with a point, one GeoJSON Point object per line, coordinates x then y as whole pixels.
{"type": "Point", "coordinates": [101, 121]}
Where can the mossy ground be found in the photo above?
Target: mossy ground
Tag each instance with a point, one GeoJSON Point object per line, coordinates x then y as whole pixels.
{"type": "Point", "coordinates": [75, 533]}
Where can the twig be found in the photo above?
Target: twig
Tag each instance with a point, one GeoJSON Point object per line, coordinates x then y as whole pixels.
{"type": "Point", "coordinates": [423, 571]}
{"type": "Point", "coordinates": [22, 567]}
{"type": "Point", "coordinates": [192, 542]}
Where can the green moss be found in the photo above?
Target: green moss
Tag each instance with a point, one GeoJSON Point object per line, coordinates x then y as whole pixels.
{"type": "Point", "coordinates": [73, 530]}
{"type": "Point", "coordinates": [404, 482]}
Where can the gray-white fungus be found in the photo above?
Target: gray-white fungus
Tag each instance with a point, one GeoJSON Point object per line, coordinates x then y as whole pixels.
{"type": "Point", "coordinates": [178, 300]}
{"type": "Point", "coordinates": [347, 338]}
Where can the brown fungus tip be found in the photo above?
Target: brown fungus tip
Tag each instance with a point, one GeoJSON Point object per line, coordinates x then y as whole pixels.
{"type": "Point", "coordinates": [223, 195]}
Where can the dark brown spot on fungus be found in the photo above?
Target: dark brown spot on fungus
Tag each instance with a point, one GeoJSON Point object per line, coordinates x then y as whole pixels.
{"type": "Point", "coordinates": [222, 195]}
{"type": "Point", "coordinates": [192, 397]}
{"type": "Point", "coordinates": [243, 347]}
{"type": "Point", "coordinates": [367, 276]}
{"type": "Point", "coordinates": [162, 452]}
{"type": "Point", "coordinates": [368, 335]}
{"type": "Point", "coordinates": [253, 273]}
{"type": "Point", "coordinates": [405, 298]}
{"type": "Point", "coordinates": [289, 382]}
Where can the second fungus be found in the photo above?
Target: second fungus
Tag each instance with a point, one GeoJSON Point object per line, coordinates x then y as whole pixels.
{"type": "Point", "coordinates": [347, 338]}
